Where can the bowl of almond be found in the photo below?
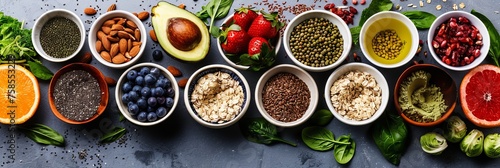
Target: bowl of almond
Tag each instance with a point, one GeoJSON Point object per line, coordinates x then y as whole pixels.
{"type": "Point", "coordinates": [117, 39]}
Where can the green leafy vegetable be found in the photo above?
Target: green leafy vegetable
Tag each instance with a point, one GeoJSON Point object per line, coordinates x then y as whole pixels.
{"type": "Point", "coordinates": [321, 117]}
{"type": "Point", "coordinates": [390, 135]}
{"type": "Point", "coordinates": [494, 51]}
{"type": "Point", "coordinates": [43, 134]}
{"type": "Point", "coordinates": [343, 153]}
{"type": "Point", "coordinates": [39, 70]}
{"type": "Point", "coordinates": [375, 7]}
{"type": "Point", "coordinates": [472, 144]}
{"type": "Point", "coordinates": [455, 129]}
{"type": "Point", "coordinates": [215, 9]}
{"type": "Point", "coordinates": [421, 19]}
{"type": "Point", "coordinates": [492, 145]}
{"type": "Point", "coordinates": [322, 139]}
{"type": "Point", "coordinates": [113, 135]}
{"type": "Point", "coordinates": [355, 34]}
{"type": "Point", "coordinates": [433, 143]}
{"type": "Point", "coordinates": [259, 130]}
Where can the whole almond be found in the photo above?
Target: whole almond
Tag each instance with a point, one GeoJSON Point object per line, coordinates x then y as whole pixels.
{"type": "Point", "coordinates": [114, 50]}
{"type": "Point", "coordinates": [106, 44]}
{"type": "Point", "coordinates": [100, 35]}
{"type": "Point", "coordinates": [123, 46]}
{"type": "Point", "coordinates": [123, 34]}
{"type": "Point", "coordinates": [113, 39]}
{"type": "Point", "coordinates": [131, 24]}
{"type": "Point", "coordinates": [86, 58]}
{"type": "Point", "coordinates": [110, 81]}
{"type": "Point", "coordinates": [129, 30]}
{"type": "Point", "coordinates": [112, 7]}
{"type": "Point", "coordinates": [127, 55]}
{"type": "Point", "coordinates": [105, 55]}
{"type": "Point", "coordinates": [118, 59]}
{"type": "Point", "coordinates": [109, 23]}
{"type": "Point", "coordinates": [113, 33]}
{"type": "Point", "coordinates": [117, 27]}
{"type": "Point", "coordinates": [143, 15]}
{"type": "Point", "coordinates": [129, 44]}
{"type": "Point", "coordinates": [98, 46]}
{"type": "Point", "coordinates": [135, 14]}
{"type": "Point", "coordinates": [116, 19]}
{"type": "Point", "coordinates": [137, 35]}
{"type": "Point", "coordinates": [182, 82]}
{"type": "Point", "coordinates": [121, 21]}
{"type": "Point", "coordinates": [89, 11]}
{"type": "Point", "coordinates": [106, 29]}
{"type": "Point", "coordinates": [136, 43]}
{"type": "Point", "coordinates": [174, 71]}
{"type": "Point", "coordinates": [152, 34]}
{"type": "Point", "coordinates": [134, 50]}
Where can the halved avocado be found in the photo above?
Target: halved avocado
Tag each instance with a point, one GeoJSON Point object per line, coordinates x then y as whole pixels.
{"type": "Point", "coordinates": [186, 41]}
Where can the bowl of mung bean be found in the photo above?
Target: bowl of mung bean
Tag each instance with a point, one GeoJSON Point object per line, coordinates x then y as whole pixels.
{"type": "Point", "coordinates": [286, 95]}
{"type": "Point", "coordinates": [356, 93]}
{"type": "Point", "coordinates": [217, 96]}
{"type": "Point", "coordinates": [317, 40]}
{"type": "Point", "coordinates": [58, 35]}
{"type": "Point", "coordinates": [389, 39]}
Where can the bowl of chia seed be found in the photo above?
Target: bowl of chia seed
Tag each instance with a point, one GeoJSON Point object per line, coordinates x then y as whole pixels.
{"type": "Point", "coordinates": [78, 93]}
{"type": "Point", "coordinates": [58, 35]}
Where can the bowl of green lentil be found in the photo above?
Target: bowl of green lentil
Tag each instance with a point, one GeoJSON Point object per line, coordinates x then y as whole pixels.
{"type": "Point", "coordinates": [58, 35]}
{"type": "Point", "coordinates": [389, 39]}
{"type": "Point", "coordinates": [317, 40]}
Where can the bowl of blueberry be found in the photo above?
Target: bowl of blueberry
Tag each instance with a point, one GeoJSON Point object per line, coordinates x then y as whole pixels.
{"type": "Point", "coordinates": [146, 94]}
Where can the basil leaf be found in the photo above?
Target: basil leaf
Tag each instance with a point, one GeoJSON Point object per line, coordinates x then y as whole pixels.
{"type": "Point", "coordinates": [318, 138]}
{"type": "Point", "coordinates": [259, 130]}
{"type": "Point", "coordinates": [375, 7]}
{"type": "Point", "coordinates": [390, 135]}
{"type": "Point", "coordinates": [321, 117]}
{"type": "Point", "coordinates": [355, 34]}
{"type": "Point", "coordinates": [40, 71]}
{"type": "Point", "coordinates": [43, 134]}
{"type": "Point", "coordinates": [113, 135]}
{"type": "Point", "coordinates": [344, 153]}
{"type": "Point", "coordinates": [421, 19]}
{"type": "Point", "coordinates": [215, 9]}
{"type": "Point", "coordinates": [494, 51]}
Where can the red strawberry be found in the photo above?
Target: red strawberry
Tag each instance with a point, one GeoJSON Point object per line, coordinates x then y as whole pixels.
{"type": "Point", "coordinates": [234, 40]}
{"type": "Point", "coordinates": [265, 25]}
{"type": "Point", "coordinates": [244, 17]}
{"type": "Point", "coordinates": [255, 45]}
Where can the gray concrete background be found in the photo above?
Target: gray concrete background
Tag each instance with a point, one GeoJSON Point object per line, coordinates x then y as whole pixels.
{"type": "Point", "coordinates": [181, 142]}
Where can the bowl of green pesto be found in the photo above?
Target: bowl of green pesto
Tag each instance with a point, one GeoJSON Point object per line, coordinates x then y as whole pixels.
{"type": "Point", "coordinates": [425, 95]}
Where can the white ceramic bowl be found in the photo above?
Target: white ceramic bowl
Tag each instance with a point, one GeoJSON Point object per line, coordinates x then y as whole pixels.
{"type": "Point", "coordinates": [364, 68]}
{"type": "Point", "coordinates": [389, 20]}
{"type": "Point", "coordinates": [229, 19]}
{"type": "Point", "coordinates": [40, 22]}
{"type": "Point", "coordinates": [301, 74]}
{"type": "Point", "coordinates": [474, 21]}
{"type": "Point", "coordinates": [123, 107]}
{"type": "Point", "coordinates": [193, 80]}
{"type": "Point", "coordinates": [97, 25]}
{"type": "Point", "coordinates": [336, 20]}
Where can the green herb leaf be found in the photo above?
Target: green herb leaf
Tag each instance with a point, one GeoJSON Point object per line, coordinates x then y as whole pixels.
{"type": "Point", "coordinates": [113, 135]}
{"type": "Point", "coordinates": [321, 117]}
{"type": "Point", "coordinates": [421, 19]}
{"type": "Point", "coordinates": [215, 9]}
{"type": "Point", "coordinates": [259, 130]}
{"type": "Point", "coordinates": [390, 135]}
{"type": "Point", "coordinates": [494, 51]}
{"type": "Point", "coordinates": [375, 7]}
{"type": "Point", "coordinates": [43, 134]}
{"type": "Point", "coordinates": [40, 71]}
{"type": "Point", "coordinates": [318, 138]}
{"type": "Point", "coordinates": [355, 34]}
{"type": "Point", "coordinates": [344, 153]}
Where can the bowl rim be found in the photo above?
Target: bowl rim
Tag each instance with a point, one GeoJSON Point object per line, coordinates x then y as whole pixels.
{"type": "Point", "coordinates": [342, 26]}
{"type": "Point", "coordinates": [95, 28]}
{"type": "Point", "coordinates": [479, 25]}
{"type": "Point", "coordinates": [40, 21]}
{"type": "Point", "coordinates": [121, 81]}
{"type": "Point", "coordinates": [194, 114]}
{"type": "Point", "coordinates": [400, 79]}
{"type": "Point", "coordinates": [313, 89]}
{"type": "Point", "coordinates": [411, 26]}
{"type": "Point", "coordinates": [102, 85]}
{"type": "Point", "coordinates": [376, 74]}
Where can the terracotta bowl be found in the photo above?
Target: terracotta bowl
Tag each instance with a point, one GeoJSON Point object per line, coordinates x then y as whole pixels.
{"type": "Point", "coordinates": [100, 80]}
{"type": "Point", "coordinates": [440, 78]}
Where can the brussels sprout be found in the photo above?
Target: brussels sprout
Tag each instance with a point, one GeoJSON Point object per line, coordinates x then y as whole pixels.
{"type": "Point", "coordinates": [433, 143]}
{"type": "Point", "coordinates": [492, 145]}
{"type": "Point", "coordinates": [472, 144]}
{"type": "Point", "coordinates": [455, 129]}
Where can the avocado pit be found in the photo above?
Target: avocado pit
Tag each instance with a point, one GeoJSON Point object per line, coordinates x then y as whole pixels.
{"type": "Point", "coordinates": [183, 34]}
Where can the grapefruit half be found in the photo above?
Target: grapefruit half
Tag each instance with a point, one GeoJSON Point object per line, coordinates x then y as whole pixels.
{"type": "Point", "coordinates": [480, 96]}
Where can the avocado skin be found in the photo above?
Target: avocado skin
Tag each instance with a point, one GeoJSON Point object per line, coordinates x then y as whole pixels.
{"type": "Point", "coordinates": [161, 14]}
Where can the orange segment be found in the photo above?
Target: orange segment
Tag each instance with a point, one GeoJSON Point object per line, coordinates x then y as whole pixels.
{"type": "Point", "coordinates": [19, 94]}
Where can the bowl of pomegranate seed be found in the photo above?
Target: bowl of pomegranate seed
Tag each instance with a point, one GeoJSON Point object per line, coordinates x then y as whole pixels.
{"type": "Point", "coordinates": [250, 39]}
{"type": "Point", "coordinates": [458, 40]}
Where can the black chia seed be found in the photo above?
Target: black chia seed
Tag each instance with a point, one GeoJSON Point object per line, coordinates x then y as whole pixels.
{"type": "Point", "coordinates": [77, 95]}
{"type": "Point", "coordinates": [60, 37]}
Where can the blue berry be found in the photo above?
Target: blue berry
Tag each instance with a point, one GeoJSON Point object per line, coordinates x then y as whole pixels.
{"type": "Point", "coordinates": [133, 109]}
{"type": "Point", "coordinates": [152, 101]}
{"type": "Point", "coordinates": [169, 102]}
{"type": "Point", "coordinates": [139, 80]}
{"type": "Point", "coordinates": [153, 92]}
{"type": "Point", "coordinates": [170, 92]}
{"type": "Point", "coordinates": [145, 91]}
{"type": "Point", "coordinates": [137, 88]}
{"type": "Point", "coordinates": [125, 98]}
{"type": "Point", "coordinates": [162, 83]}
{"type": "Point", "coordinates": [152, 116]}
{"type": "Point", "coordinates": [144, 71]}
{"type": "Point", "coordinates": [127, 87]}
{"type": "Point", "coordinates": [157, 55]}
{"type": "Point", "coordinates": [133, 95]}
{"type": "Point", "coordinates": [159, 91]}
{"type": "Point", "coordinates": [143, 116]}
{"type": "Point", "coordinates": [160, 100]}
{"type": "Point", "coordinates": [150, 79]}
{"type": "Point", "coordinates": [155, 72]}
{"type": "Point", "coordinates": [161, 112]}
{"type": "Point", "coordinates": [142, 103]}
{"type": "Point", "coordinates": [130, 103]}
{"type": "Point", "coordinates": [131, 75]}
{"type": "Point", "coordinates": [150, 109]}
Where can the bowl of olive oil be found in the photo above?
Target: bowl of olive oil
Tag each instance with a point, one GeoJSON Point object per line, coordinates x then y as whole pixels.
{"type": "Point", "coordinates": [388, 39]}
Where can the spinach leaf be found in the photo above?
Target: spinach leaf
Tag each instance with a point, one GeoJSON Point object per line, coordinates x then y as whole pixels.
{"type": "Point", "coordinates": [40, 71]}
{"type": "Point", "coordinates": [355, 34]}
{"type": "Point", "coordinates": [43, 134]}
{"type": "Point", "coordinates": [390, 135]}
{"type": "Point", "coordinates": [318, 138]}
{"type": "Point", "coordinates": [421, 19]}
{"type": "Point", "coordinates": [321, 117]}
{"type": "Point", "coordinates": [113, 135]}
{"type": "Point", "coordinates": [375, 7]}
{"type": "Point", "coordinates": [259, 130]}
{"type": "Point", "coordinates": [215, 9]}
{"type": "Point", "coordinates": [494, 51]}
{"type": "Point", "coordinates": [343, 153]}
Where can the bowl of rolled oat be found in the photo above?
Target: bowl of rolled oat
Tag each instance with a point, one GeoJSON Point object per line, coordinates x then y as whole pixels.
{"type": "Point", "coordinates": [217, 96]}
{"type": "Point", "coordinates": [356, 94]}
